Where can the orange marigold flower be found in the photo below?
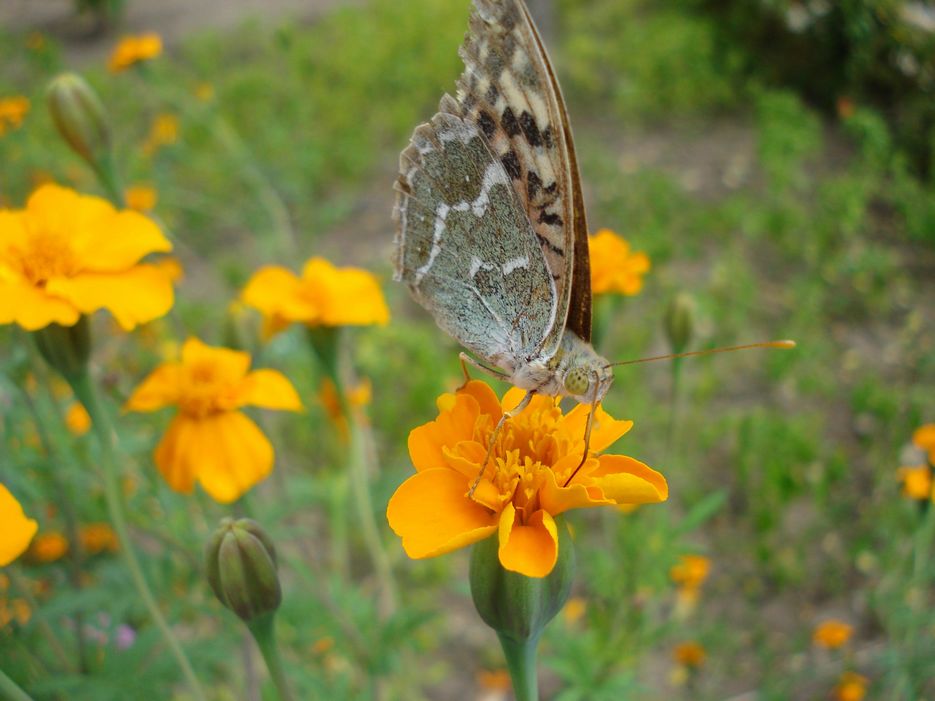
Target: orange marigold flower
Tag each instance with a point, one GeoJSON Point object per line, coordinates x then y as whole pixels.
{"type": "Point", "coordinates": [48, 547]}
{"type": "Point", "coordinates": [323, 296]}
{"type": "Point", "coordinates": [916, 481]}
{"type": "Point", "coordinates": [16, 531]}
{"type": "Point", "coordinates": [134, 49]}
{"type": "Point", "coordinates": [357, 396]}
{"type": "Point", "coordinates": [77, 419]}
{"type": "Point", "coordinates": [494, 680]}
{"type": "Point", "coordinates": [851, 687]}
{"type": "Point", "coordinates": [142, 198]}
{"type": "Point", "coordinates": [97, 537]}
{"type": "Point", "coordinates": [691, 571]}
{"type": "Point", "coordinates": [613, 267]}
{"type": "Point", "coordinates": [689, 654]}
{"type": "Point", "coordinates": [67, 254]}
{"type": "Point", "coordinates": [12, 112]}
{"type": "Point", "coordinates": [924, 438]}
{"type": "Point", "coordinates": [524, 484]}
{"type": "Point", "coordinates": [210, 440]}
{"type": "Point", "coordinates": [832, 634]}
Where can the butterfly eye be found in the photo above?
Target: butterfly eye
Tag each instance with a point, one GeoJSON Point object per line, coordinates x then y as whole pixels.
{"type": "Point", "coordinates": [576, 381]}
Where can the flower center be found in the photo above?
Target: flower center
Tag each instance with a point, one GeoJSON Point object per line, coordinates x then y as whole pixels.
{"type": "Point", "coordinates": [205, 391]}
{"type": "Point", "coordinates": [44, 255]}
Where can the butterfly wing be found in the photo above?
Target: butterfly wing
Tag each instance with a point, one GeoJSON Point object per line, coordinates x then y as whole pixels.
{"type": "Point", "coordinates": [509, 90]}
{"type": "Point", "coordinates": [465, 246]}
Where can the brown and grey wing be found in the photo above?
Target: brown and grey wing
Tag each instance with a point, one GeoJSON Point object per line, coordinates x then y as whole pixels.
{"type": "Point", "coordinates": [465, 247]}
{"type": "Point", "coordinates": [507, 90]}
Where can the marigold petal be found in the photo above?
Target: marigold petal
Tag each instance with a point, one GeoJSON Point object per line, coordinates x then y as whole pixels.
{"type": "Point", "coordinates": [16, 530]}
{"type": "Point", "coordinates": [605, 430]}
{"type": "Point", "coordinates": [161, 388]}
{"type": "Point", "coordinates": [274, 291]}
{"type": "Point", "coordinates": [456, 420]}
{"type": "Point", "coordinates": [628, 481]}
{"type": "Point", "coordinates": [531, 548]}
{"type": "Point", "coordinates": [433, 515]}
{"type": "Point", "coordinates": [177, 454]}
{"type": "Point", "coordinates": [32, 308]}
{"type": "Point", "coordinates": [486, 398]}
{"type": "Point", "coordinates": [581, 494]}
{"type": "Point", "coordinates": [133, 296]}
{"type": "Point", "coordinates": [924, 437]}
{"type": "Point", "coordinates": [270, 389]}
{"type": "Point", "coordinates": [114, 241]}
{"type": "Point", "coordinates": [513, 397]}
{"type": "Point", "coordinates": [231, 364]}
{"type": "Point", "coordinates": [235, 455]}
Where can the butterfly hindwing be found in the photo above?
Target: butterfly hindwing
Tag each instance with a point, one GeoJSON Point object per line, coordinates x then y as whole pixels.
{"type": "Point", "coordinates": [465, 246]}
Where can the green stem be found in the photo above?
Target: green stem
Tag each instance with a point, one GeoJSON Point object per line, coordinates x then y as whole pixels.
{"type": "Point", "coordinates": [100, 422]}
{"type": "Point", "coordinates": [263, 630]}
{"type": "Point", "coordinates": [521, 661]}
{"type": "Point", "coordinates": [51, 638]}
{"type": "Point", "coordinates": [11, 691]}
{"type": "Point", "coordinates": [106, 172]}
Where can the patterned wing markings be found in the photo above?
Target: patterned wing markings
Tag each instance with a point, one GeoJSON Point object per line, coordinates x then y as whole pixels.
{"type": "Point", "coordinates": [465, 246]}
{"type": "Point", "coordinates": [579, 307]}
{"type": "Point", "coordinates": [508, 91]}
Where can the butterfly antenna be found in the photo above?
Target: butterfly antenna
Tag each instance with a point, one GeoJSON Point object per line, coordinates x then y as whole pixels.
{"type": "Point", "coordinates": [767, 344]}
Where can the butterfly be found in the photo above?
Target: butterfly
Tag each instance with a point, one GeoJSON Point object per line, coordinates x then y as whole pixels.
{"type": "Point", "coordinates": [492, 237]}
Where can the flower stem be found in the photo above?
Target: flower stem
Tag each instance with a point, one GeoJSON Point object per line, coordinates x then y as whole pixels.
{"type": "Point", "coordinates": [24, 588]}
{"type": "Point", "coordinates": [9, 689]}
{"type": "Point", "coordinates": [521, 661]}
{"type": "Point", "coordinates": [263, 630]}
{"type": "Point", "coordinates": [100, 422]}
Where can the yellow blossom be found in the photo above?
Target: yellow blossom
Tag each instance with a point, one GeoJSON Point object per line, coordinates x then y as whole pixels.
{"type": "Point", "coordinates": [691, 571]}
{"type": "Point", "coordinates": [494, 680]}
{"type": "Point", "coordinates": [131, 50]}
{"type": "Point", "coordinates": [142, 198]}
{"type": "Point", "coordinates": [15, 610]}
{"type": "Point", "coordinates": [358, 396]}
{"type": "Point", "coordinates": [97, 537]}
{"type": "Point", "coordinates": [77, 419]}
{"type": "Point", "coordinates": [163, 132]}
{"type": "Point", "coordinates": [12, 112]}
{"type": "Point", "coordinates": [574, 609]}
{"type": "Point", "coordinates": [851, 687]}
{"type": "Point", "coordinates": [204, 92]}
{"type": "Point", "coordinates": [48, 547]}
{"type": "Point", "coordinates": [67, 254]}
{"type": "Point", "coordinates": [916, 481]}
{"type": "Point", "coordinates": [210, 440]}
{"type": "Point", "coordinates": [613, 267]}
{"type": "Point", "coordinates": [171, 267]}
{"type": "Point", "coordinates": [323, 296]}
{"type": "Point", "coordinates": [528, 481]}
{"type": "Point", "coordinates": [924, 438]}
{"type": "Point", "coordinates": [689, 654]}
{"type": "Point", "coordinates": [16, 530]}
{"type": "Point", "coordinates": [832, 634]}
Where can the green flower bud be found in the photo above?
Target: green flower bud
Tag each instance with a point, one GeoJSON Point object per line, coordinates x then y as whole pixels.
{"type": "Point", "coordinates": [80, 118]}
{"type": "Point", "coordinates": [679, 322]}
{"type": "Point", "coordinates": [514, 605]}
{"type": "Point", "coordinates": [65, 348]}
{"type": "Point", "coordinates": [241, 569]}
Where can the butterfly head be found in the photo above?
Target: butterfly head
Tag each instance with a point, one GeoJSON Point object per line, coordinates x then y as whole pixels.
{"type": "Point", "coordinates": [584, 375]}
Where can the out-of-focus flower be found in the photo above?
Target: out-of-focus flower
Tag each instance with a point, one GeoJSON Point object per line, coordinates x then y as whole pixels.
{"type": "Point", "coordinates": [142, 198]}
{"type": "Point", "coordinates": [204, 92]}
{"type": "Point", "coordinates": [16, 530]}
{"type": "Point", "coordinates": [131, 50]}
{"type": "Point", "coordinates": [14, 611]}
{"type": "Point", "coordinates": [35, 41]}
{"type": "Point", "coordinates": [832, 634]}
{"type": "Point", "coordinates": [614, 268]}
{"type": "Point", "coordinates": [358, 396]}
{"type": "Point", "coordinates": [523, 486]}
{"type": "Point", "coordinates": [97, 538]}
{"type": "Point", "coordinates": [171, 268]}
{"type": "Point", "coordinates": [851, 687]}
{"type": "Point", "coordinates": [323, 296]}
{"type": "Point", "coordinates": [48, 547]}
{"type": "Point", "coordinates": [924, 438]}
{"type": "Point", "coordinates": [12, 112]}
{"type": "Point", "coordinates": [67, 254]}
{"type": "Point", "coordinates": [494, 680]}
{"type": "Point", "coordinates": [691, 571]}
{"type": "Point", "coordinates": [77, 419]}
{"type": "Point", "coordinates": [916, 481]}
{"type": "Point", "coordinates": [163, 132]}
{"type": "Point", "coordinates": [574, 609]}
{"type": "Point", "coordinates": [689, 654]}
{"type": "Point", "coordinates": [210, 440]}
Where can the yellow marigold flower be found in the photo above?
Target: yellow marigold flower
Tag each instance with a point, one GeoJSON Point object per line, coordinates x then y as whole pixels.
{"type": "Point", "coordinates": [323, 296]}
{"type": "Point", "coordinates": [170, 267]}
{"type": "Point", "coordinates": [917, 482]}
{"type": "Point", "coordinates": [832, 634]}
{"type": "Point", "coordinates": [17, 611]}
{"type": "Point", "coordinates": [851, 687]}
{"type": "Point", "coordinates": [48, 547]}
{"type": "Point", "coordinates": [924, 438]}
{"type": "Point", "coordinates": [98, 537]}
{"type": "Point", "coordinates": [77, 419]}
{"type": "Point", "coordinates": [691, 571]}
{"type": "Point", "coordinates": [689, 654]}
{"type": "Point", "coordinates": [523, 487]}
{"type": "Point", "coordinates": [142, 198]}
{"type": "Point", "coordinates": [574, 609]}
{"type": "Point", "coordinates": [613, 267]}
{"type": "Point", "coordinates": [67, 254]}
{"type": "Point", "coordinates": [163, 132]}
{"type": "Point", "coordinates": [210, 440]}
{"type": "Point", "coordinates": [134, 49]}
{"type": "Point", "coordinates": [16, 531]}
{"type": "Point", "coordinates": [12, 112]}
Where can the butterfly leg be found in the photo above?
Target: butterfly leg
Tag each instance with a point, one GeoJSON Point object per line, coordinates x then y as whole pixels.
{"type": "Point", "coordinates": [468, 360]}
{"type": "Point", "coordinates": [496, 432]}
{"type": "Point", "coordinates": [587, 429]}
